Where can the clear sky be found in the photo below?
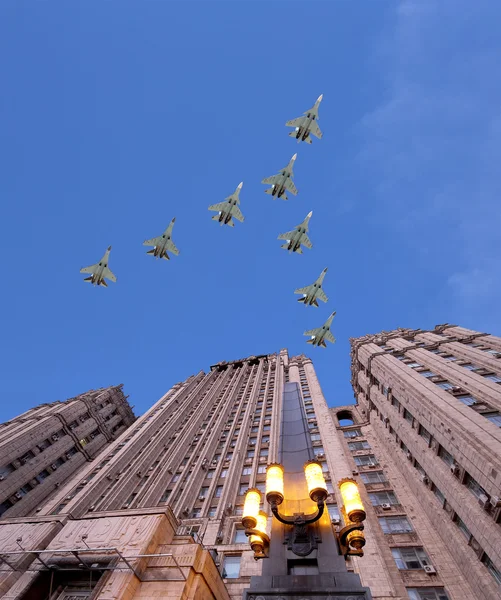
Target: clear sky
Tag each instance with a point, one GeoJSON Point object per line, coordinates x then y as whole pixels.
{"type": "Point", "coordinates": [117, 116]}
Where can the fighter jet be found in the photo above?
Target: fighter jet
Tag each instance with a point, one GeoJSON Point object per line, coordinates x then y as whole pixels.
{"type": "Point", "coordinates": [297, 237]}
{"type": "Point", "coordinates": [306, 125]}
{"type": "Point", "coordinates": [313, 292]}
{"type": "Point", "coordinates": [229, 209]}
{"type": "Point", "coordinates": [163, 243]}
{"type": "Point", "coordinates": [282, 182]}
{"type": "Point", "coordinates": [99, 271]}
{"type": "Point", "coordinates": [319, 335]}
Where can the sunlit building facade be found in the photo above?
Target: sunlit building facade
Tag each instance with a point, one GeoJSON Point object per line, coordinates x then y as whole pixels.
{"type": "Point", "coordinates": [424, 442]}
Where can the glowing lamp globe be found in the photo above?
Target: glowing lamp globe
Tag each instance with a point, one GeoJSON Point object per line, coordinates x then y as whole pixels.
{"type": "Point", "coordinates": [351, 500]}
{"type": "Point", "coordinates": [317, 488]}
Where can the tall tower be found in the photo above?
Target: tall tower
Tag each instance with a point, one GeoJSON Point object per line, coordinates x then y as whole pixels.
{"type": "Point", "coordinates": [425, 440]}
{"type": "Point", "coordinates": [178, 477]}
{"type": "Point", "coordinates": [45, 446]}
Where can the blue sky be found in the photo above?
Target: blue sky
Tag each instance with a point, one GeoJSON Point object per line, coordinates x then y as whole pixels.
{"type": "Point", "coordinates": [116, 117]}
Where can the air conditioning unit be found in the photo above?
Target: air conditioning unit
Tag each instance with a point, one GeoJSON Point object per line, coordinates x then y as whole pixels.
{"type": "Point", "coordinates": [126, 505]}
{"type": "Point", "coordinates": [484, 501]}
{"type": "Point", "coordinates": [386, 420]}
{"type": "Point", "coordinates": [372, 466]}
{"type": "Point", "coordinates": [92, 436]}
{"type": "Point", "coordinates": [495, 501]}
{"type": "Point", "coordinates": [68, 455]}
{"type": "Point", "coordinates": [18, 495]}
{"type": "Point", "coordinates": [354, 473]}
{"type": "Point", "coordinates": [53, 466]}
{"type": "Point", "coordinates": [229, 508]}
{"type": "Point", "coordinates": [54, 437]}
{"type": "Point", "coordinates": [430, 569]}
{"type": "Point", "coordinates": [386, 506]}
{"type": "Point", "coordinates": [204, 464]}
{"type": "Point", "coordinates": [409, 455]}
{"type": "Point", "coordinates": [201, 498]}
{"type": "Point", "coordinates": [455, 469]}
{"type": "Point", "coordinates": [424, 479]}
{"type": "Point", "coordinates": [2, 477]}
{"type": "Point", "coordinates": [186, 510]}
{"type": "Point", "coordinates": [92, 507]}
{"type": "Point", "coordinates": [169, 471]}
{"type": "Point", "coordinates": [72, 427]}
{"type": "Point", "coordinates": [214, 463]}
{"type": "Point", "coordinates": [320, 455]}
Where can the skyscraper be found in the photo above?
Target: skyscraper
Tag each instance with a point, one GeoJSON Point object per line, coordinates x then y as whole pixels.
{"type": "Point", "coordinates": [425, 440]}
{"type": "Point", "coordinates": [45, 446]}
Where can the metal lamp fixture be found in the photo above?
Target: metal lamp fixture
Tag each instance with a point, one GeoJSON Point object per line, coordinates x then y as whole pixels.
{"type": "Point", "coordinates": [255, 521]}
{"type": "Point", "coordinates": [351, 538]}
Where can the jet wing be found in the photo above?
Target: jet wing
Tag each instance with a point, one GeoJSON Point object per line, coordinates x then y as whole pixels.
{"type": "Point", "coordinates": [220, 206]}
{"type": "Point", "coordinates": [289, 184]}
{"type": "Point", "coordinates": [287, 236]}
{"type": "Point", "coordinates": [172, 248]}
{"type": "Point", "coordinates": [153, 242]}
{"type": "Point", "coordinates": [91, 269]}
{"type": "Point", "coordinates": [236, 213]}
{"type": "Point", "coordinates": [303, 290]}
{"type": "Point", "coordinates": [321, 295]}
{"type": "Point", "coordinates": [306, 241]}
{"type": "Point", "coordinates": [109, 275]}
{"type": "Point", "coordinates": [294, 122]}
{"type": "Point", "coordinates": [314, 332]}
{"type": "Point", "coordinates": [315, 130]}
{"type": "Point", "coordinates": [329, 337]}
{"type": "Point", "coordinates": [271, 180]}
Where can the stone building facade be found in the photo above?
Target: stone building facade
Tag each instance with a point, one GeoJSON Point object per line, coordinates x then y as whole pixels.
{"type": "Point", "coordinates": [45, 446]}
{"type": "Point", "coordinates": [158, 513]}
{"type": "Point", "coordinates": [424, 442]}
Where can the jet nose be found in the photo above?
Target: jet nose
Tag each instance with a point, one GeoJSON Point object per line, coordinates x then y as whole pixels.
{"type": "Point", "coordinates": [239, 187]}
{"type": "Point", "coordinates": [173, 220]}
{"type": "Point", "coordinates": [294, 157]}
{"type": "Point", "coordinates": [308, 216]}
{"type": "Point", "coordinates": [109, 248]}
{"type": "Point", "coordinates": [319, 99]}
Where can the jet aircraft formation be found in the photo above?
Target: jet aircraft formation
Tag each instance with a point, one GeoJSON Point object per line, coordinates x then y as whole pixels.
{"type": "Point", "coordinates": [281, 183]}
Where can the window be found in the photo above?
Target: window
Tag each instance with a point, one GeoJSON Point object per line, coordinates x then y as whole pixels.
{"type": "Point", "coordinates": [496, 573]}
{"type": "Point", "coordinates": [175, 478]}
{"type": "Point", "coordinates": [365, 460]}
{"type": "Point", "coordinates": [445, 456]}
{"type": "Point", "coordinates": [378, 498]}
{"type": "Point", "coordinates": [252, 441]}
{"type": "Point", "coordinates": [219, 491]}
{"type": "Point", "coordinates": [229, 456]}
{"type": "Point", "coordinates": [212, 511]}
{"type": "Point", "coordinates": [395, 525]}
{"type": "Point", "coordinates": [318, 450]}
{"type": "Point", "coordinates": [352, 433]}
{"type": "Point", "coordinates": [239, 536]}
{"type": "Point", "coordinates": [42, 475]}
{"type": "Point", "coordinates": [424, 433]}
{"type": "Point", "coordinates": [427, 374]}
{"type": "Point", "coordinates": [445, 385]}
{"type": "Point", "coordinates": [263, 452]}
{"type": "Point", "coordinates": [204, 491]}
{"type": "Point", "coordinates": [261, 469]}
{"type": "Point", "coordinates": [243, 489]}
{"type": "Point", "coordinates": [265, 439]}
{"type": "Point", "coordinates": [493, 417]}
{"type": "Point", "coordinates": [464, 530]}
{"type": "Point", "coordinates": [231, 567]}
{"type": "Point", "coordinates": [239, 510]}
{"type": "Point", "coordinates": [395, 403]}
{"type": "Point", "coordinates": [165, 496]}
{"type": "Point", "coordinates": [196, 512]}
{"type": "Point", "coordinates": [254, 429]}
{"type": "Point", "coordinates": [427, 594]}
{"type": "Point", "coordinates": [438, 494]}
{"type": "Point", "coordinates": [250, 454]}
{"type": "Point", "coordinates": [333, 510]}
{"type": "Point", "coordinates": [475, 488]}
{"type": "Point", "coordinates": [224, 472]}
{"type": "Point", "coordinates": [468, 400]}
{"type": "Point", "coordinates": [210, 474]}
{"type": "Point", "coordinates": [373, 477]}
{"type": "Point", "coordinates": [408, 416]}
{"type": "Point", "coordinates": [261, 486]}
{"type": "Point", "coordinates": [353, 446]}
{"type": "Point", "coordinates": [315, 437]}
{"type": "Point", "coordinates": [247, 470]}
{"type": "Point", "coordinates": [414, 365]}
{"type": "Point", "coordinates": [410, 558]}
{"type": "Point", "coordinates": [494, 378]}
{"type": "Point", "coordinates": [266, 427]}
{"type": "Point", "coordinates": [26, 457]}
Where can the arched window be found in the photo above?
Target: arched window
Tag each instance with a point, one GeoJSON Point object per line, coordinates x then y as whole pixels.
{"type": "Point", "coordinates": [345, 418]}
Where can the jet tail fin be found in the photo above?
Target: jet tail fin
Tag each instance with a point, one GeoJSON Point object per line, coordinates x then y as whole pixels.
{"type": "Point", "coordinates": [230, 223]}
{"type": "Point", "coordinates": [293, 134]}
{"type": "Point", "coordinates": [88, 278]}
{"type": "Point", "coordinates": [303, 299]}
{"type": "Point", "coordinates": [286, 246]}
{"type": "Point", "coordinates": [310, 341]}
{"type": "Point", "coordinates": [215, 218]}
{"type": "Point", "coordinates": [299, 250]}
{"type": "Point", "coordinates": [166, 256]}
{"type": "Point", "coordinates": [151, 251]}
{"type": "Point", "coordinates": [269, 191]}
{"type": "Point", "coordinates": [308, 139]}
{"type": "Point", "coordinates": [103, 282]}
{"type": "Point", "coordinates": [315, 302]}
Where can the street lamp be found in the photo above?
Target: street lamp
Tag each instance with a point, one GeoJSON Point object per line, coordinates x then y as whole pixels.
{"type": "Point", "coordinates": [302, 540]}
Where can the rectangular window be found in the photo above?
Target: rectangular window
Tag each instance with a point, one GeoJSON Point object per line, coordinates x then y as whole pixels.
{"type": "Point", "coordinates": [354, 446]}
{"type": "Point", "coordinates": [395, 403]}
{"type": "Point", "coordinates": [352, 433]}
{"type": "Point", "coordinates": [315, 437]}
{"type": "Point", "coordinates": [494, 378]}
{"type": "Point", "coordinates": [496, 573]}
{"type": "Point", "coordinates": [333, 510]}
{"type": "Point", "coordinates": [445, 385]}
{"type": "Point", "coordinates": [252, 441]}
{"type": "Point", "coordinates": [318, 450]}
{"type": "Point", "coordinates": [261, 469]}
{"type": "Point", "coordinates": [210, 474]}
{"type": "Point", "coordinates": [414, 365]}
{"type": "Point", "coordinates": [265, 439]}
{"type": "Point", "coordinates": [212, 511]}
{"type": "Point", "coordinates": [261, 486]}
{"type": "Point", "coordinates": [250, 454]}
{"type": "Point", "coordinates": [247, 471]}
{"type": "Point", "coordinates": [175, 478]}
{"type": "Point", "coordinates": [196, 512]}
{"type": "Point", "coordinates": [242, 490]}
{"type": "Point", "coordinates": [408, 416]}
{"type": "Point", "coordinates": [378, 498]}
{"type": "Point", "coordinates": [395, 525]}
{"type": "Point", "coordinates": [493, 417]}
{"type": "Point", "coordinates": [229, 456]}
{"type": "Point", "coordinates": [266, 427]}
{"type": "Point", "coordinates": [427, 594]}
{"type": "Point", "coordinates": [366, 460]}
{"type": "Point", "coordinates": [231, 567]}
{"type": "Point", "coordinates": [438, 494]}
{"type": "Point", "coordinates": [239, 536]}
{"type": "Point", "coordinates": [424, 433]}
{"type": "Point", "coordinates": [203, 492]}
{"type": "Point", "coordinates": [427, 374]}
{"type": "Point", "coordinates": [219, 491]}
{"type": "Point", "coordinates": [373, 477]}
{"type": "Point", "coordinates": [224, 472]}
{"type": "Point", "coordinates": [464, 530]}
{"type": "Point", "coordinates": [445, 456]}
{"type": "Point", "coordinates": [410, 558]}
{"type": "Point", "coordinates": [475, 488]}
{"type": "Point", "coordinates": [468, 400]}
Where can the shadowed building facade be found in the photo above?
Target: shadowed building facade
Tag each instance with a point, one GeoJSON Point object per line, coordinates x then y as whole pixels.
{"type": "Point", "coordinates": [424, 440]}
{"type": "Point", "coordinates": [45, 446]}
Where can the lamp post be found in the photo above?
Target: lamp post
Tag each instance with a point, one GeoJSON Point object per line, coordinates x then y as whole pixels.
{"type": "Point", "coordinates": [350, 539]}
